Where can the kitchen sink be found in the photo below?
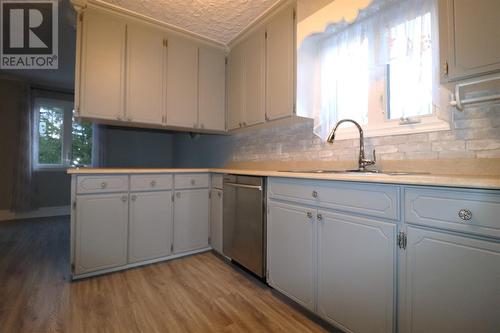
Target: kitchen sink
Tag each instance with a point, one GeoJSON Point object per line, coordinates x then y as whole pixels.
{"type": "Point", "coordinates": [357, 171]}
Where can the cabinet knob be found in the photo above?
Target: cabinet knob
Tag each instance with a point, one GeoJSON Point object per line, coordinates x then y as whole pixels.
{"type": "Point", "coordinates": [319, 217]}
{"type": "Point", "coordinates": [309, 215]}
{"type": "Point", "coordinates": [314, 194]}
{"type": "Point", "coordinates": [153, 183]}
{"type": "Point", "coordinates": [124, 198]}
{"type": "Point", "coordinates": [133, 197]}
{"type": "Point", "coordinates": [465, 214]}
{"type": "Point", "coordinates": [104, 185]}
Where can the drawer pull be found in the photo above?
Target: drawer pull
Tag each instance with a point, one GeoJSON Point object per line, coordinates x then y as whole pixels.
{"type": "Point", "coordinates": [104, 185]}
{"type": "Point", "coordinates": [133, 197]}
{"type": "Point", "coordinates": [319, 217]}
{"type": "Point", "coordinates": [124, 198]}
{"type": "Point", "coordinates": [153, 183]}
{"type": "Point", "coordinates": [465, 214]}
{"type": "Point", "coordinates": [314, 194]}
{"type": "Point", "coordinates": [309, 215]}
{"type": "Point", "coordinates": [193, 182]}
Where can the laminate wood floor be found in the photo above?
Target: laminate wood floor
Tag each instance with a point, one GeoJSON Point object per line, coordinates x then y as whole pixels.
{"type": "Point", "coordinates": [200, 293]}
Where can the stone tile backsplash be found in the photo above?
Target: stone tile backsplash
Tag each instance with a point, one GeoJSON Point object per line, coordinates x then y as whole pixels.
{"type": "Point", "coordinates": [475, 133]}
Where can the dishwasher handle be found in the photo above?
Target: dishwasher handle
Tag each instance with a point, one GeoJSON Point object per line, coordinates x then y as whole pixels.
{"type": "Point", "coordinates": [255, 187]}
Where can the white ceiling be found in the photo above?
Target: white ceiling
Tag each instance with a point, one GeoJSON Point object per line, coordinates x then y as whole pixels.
{"type": "Point", "coordinates": [219, 20]}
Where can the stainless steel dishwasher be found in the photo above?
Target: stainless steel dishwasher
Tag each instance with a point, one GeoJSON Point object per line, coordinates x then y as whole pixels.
{"type": "Point", "coordinates": [244, 222]}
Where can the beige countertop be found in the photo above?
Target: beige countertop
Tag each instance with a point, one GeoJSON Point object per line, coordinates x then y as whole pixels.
{"type": "Point", "coordinates": [464, 181]}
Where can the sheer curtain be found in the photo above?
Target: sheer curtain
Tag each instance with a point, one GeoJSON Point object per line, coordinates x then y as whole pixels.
{"type": "Point", "coordinates": [23, 186]}
{"type": "Point", "coordinates": [392, 43]}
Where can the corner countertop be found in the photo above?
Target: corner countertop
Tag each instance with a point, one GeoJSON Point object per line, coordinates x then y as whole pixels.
{"type": "Point", "coordinates": [462, 181]}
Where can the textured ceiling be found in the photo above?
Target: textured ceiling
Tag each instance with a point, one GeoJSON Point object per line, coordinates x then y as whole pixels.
{"type": "Point", "coordinates": [220, 20]}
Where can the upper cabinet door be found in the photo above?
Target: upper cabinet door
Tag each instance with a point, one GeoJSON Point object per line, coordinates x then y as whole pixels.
{"type": "Point", "coordinates": [236, 96]}
{"type": "Point", "coordinates": [280, 57]}
{"type": "Point", "coordinates": [102, 68]}
{"type": "Point", "coordinates": [182, 82]}
{"type": "Point", "coordinates": [212, 89]}
{"type": "Point", "coordinates": [254, 75]}
{"type": "Point", "coordinates": [470, 36]}
{"type": "Point", "coordinates": [145, 74]}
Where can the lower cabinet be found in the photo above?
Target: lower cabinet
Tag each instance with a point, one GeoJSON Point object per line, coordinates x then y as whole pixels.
{"type": "Point", "coordinates": [291, 252]}
{"type": "Point", "coordinates": [191, 209]}
{"type": "Point", "coordinates": [101, 232]}
{"type": "Point", "coordinates": [216, 212]}
{"type": "Point", "coordinates": [452, 283]}
{"type": "Point", "coordinates": [356, 266]}
{"type": "Point", "coordinates": [150, 225]}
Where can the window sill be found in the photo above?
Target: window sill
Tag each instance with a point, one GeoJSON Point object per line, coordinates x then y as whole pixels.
{"type": "Point", "coordinates": [431, 124]}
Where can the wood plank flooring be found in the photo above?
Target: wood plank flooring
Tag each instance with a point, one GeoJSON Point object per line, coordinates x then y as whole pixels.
{"type": "Point", "coordinates": [201, 293]}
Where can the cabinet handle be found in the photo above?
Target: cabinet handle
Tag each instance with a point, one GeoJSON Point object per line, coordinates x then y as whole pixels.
{"type": "Point", "coordinates": [124, 198]}
{"type": "Point", "coordinates": [193, 182]}
{"type": "Point", "coordinates": [104, 185]}
{"type": "Point", "coordinates": [133, 197]}
{"type": "Point", "coordinates": [309, 215]}
{"type": "Point", "coordinates": [219, 194]}
{"type": "Point", "coordinates": [319, 217]}
{"type": "Point", "coordinates": [314, 194]}
{"type": "Point", "coordinates": [153, 183]}
{"type": "Point", "coordinates": [465, 214]}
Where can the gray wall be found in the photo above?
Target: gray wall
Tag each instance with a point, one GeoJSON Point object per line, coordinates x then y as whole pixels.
{"type": "Point", "coordinates": [129, 147]}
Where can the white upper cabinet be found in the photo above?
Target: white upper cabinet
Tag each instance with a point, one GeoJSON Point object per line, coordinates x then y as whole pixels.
{"type": "Point", "coordinates": [102, 70]}
{"type": "Point", "coordinates": [212, 89]}
{"type": "Point", "coordinates": [236, 96]}
{"type": "Point", "coordinates": [280, 62]}
{"type": "Point", "coordinates": [254, 73]}
{"type": "Point", "coordinates": [145, 74]}
{"type": "Point", "coordinates": [182, 82]}
{"type": "Point", "coordinates": [136, 72]}
{"type": "Point", "coordinates": [470, 38]}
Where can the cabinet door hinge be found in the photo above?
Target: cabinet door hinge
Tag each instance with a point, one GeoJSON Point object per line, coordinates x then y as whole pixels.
{"type": "Point", "coordinates": [446, 68]}
{"type": "Point", "coordinates": [209, 240]}
{"type": "Point", "coordinates": [294, 15]}
{"type": "Point", "coordinates": [171, 247]}
{"type": "Point", "coordinates": [72, 268]}
{"type": "Point", "coordinates": [210, 194]}
{"type": "Point", "coordinates": [80, 17]}
{"type": "Point", "coordinates": [402, 240]}
{"type": "Point", "coordinates": [265, 34]}
{"type": "Point", "coordinates": [74, 204]}
{"type": "Point", "coordinates": [225, 61]}
{"type": "Point", "coordinates": [172, 197]}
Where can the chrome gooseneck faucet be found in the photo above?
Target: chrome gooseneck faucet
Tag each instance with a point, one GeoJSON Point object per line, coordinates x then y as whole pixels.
{"type": "Point", "coordinates": [362, 162]}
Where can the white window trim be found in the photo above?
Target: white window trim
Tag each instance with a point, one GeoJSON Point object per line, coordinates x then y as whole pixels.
{"type": "Point", "coordinates": [66, 104]}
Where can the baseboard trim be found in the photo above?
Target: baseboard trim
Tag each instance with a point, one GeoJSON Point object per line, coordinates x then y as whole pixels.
{"type": "Point", "coordinates": [7, 215]}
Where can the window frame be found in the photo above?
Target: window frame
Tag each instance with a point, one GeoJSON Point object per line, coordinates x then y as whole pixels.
{"type": "Point", "coordinates": [440, 119]}
{"type": "Point", "coordinates": [66, 102]}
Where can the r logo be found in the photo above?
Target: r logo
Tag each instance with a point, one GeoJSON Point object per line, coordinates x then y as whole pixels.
{"type": "Point", "coordinates": [29, 28]}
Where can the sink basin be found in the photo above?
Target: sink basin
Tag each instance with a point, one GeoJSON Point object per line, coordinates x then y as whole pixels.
{"type": "Point", "coordinates": [357, 171]}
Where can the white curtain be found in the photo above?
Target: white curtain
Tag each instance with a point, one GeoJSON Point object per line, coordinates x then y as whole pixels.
{"type": "Point", "coordinates": [339, 69]}
{"type": "Point", "coordinates": [23, 185]}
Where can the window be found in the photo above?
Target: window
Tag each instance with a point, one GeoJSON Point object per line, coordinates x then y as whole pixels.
{"type": "Point", "coordinates": [380, 70]}
{"type": "Point", "coordinates": [59, 140]}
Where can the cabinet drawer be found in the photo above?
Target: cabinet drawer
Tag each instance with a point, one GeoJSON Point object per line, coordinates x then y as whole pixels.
{"type": "Point", "coordinates": [192, 180]}
{"type": "Point", "coordinates": [151, 182]}
{"type": "Point", "coordinates": [217, 180]}
{"type": "Point", "coordinates": [368, 199]}
{"type": "Point", "coordinates": [102, 184]}
{"type": "Point", "coordinates": [470, 211]}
